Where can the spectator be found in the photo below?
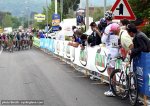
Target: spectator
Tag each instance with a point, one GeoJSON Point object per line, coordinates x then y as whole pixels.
{"type": "Point", "coordinates": [80, 19]}
{"type": "Point", "coordinates": [95, 36]}
{"type": "Point", "coordinates": [124, 37]}
{"type": "Point", "coordinates": [140, 40]}
{"type": "Point", "coordinates": [76, 38]}
{"type": "Point", "coordinates": [60, 34]}
{"type": "Point", "coordinates": [41, 34]}
{"type": "Point", "coordinates": [83, 41]}
{"type": "Point", "coordinates": [124, 23]}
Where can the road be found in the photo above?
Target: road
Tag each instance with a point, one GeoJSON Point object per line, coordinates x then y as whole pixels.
{"type": "Point", "coordinates": [34, 75]}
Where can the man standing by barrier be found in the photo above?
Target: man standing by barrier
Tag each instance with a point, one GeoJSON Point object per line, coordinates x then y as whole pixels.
{"type": "Point", "coordinates": [125, 41]}
{"type": "Point", "coordinates": [140, 40]}
{"type": "Point", "coordinates": [95, 36]}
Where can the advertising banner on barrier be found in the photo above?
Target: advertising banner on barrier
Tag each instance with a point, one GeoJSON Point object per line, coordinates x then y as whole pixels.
{"type": "Point", "coordinates": [57, 47]}
{"type": "Point", "coordinates": [46, 43]}
{"type": "Point", "coordinates": [52, 46]}
{"type": "Point", "coordinates": [95, 59]}
{"type": "Point", "coordinates": [72, 54]}
{"type": "Point", "coordinates": [67, 50]}
{"type": "Point", "coordinates": [61, 48]}
{"type": "Point", "coordinates": [49, 44]}
{"type": "Point", "coordinates": [83, 56]}
{"type": "Point", "coordinates": [90, 58]}
{"type": "Point", "coordinates": [36, 41]}
{"type": "Point", "coordinates": [141, 67]}
{"type": "Point", "coordinates": [42, 43]}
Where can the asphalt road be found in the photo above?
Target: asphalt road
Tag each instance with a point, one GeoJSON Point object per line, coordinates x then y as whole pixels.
{"type": "Point", "coordinates": [34, 75]}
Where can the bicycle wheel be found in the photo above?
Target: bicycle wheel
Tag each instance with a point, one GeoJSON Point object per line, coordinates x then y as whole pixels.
{"type": "Point", "coordinates": [119, 84]}
{"type": "Point", "coordinates": [133, 88]}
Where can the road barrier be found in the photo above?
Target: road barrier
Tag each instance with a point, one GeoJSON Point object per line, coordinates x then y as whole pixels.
{"type": "Point", "coordinates": [93, 59]}
{"type": "Point", "coordinates": [36, 42]}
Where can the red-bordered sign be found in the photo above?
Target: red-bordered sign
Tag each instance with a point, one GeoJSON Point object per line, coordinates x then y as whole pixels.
{"type": "Point", "coordinates": [122, 9]}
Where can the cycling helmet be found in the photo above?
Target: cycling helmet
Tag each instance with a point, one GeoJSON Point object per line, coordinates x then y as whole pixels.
{"type": "Point", "coordinates": [103, 22]}
{"type": "Point", "coordinates": [108, 15]}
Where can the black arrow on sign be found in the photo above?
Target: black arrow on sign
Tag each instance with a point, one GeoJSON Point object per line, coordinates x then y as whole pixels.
{"type": "Point", "coordinates": [120, 9]}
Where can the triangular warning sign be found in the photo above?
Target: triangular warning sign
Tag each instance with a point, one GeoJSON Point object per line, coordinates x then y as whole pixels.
{"type": "Point", "coordinates": [121, 9]}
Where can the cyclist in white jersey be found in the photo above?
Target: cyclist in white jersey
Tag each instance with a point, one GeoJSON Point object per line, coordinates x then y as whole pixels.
{"type": "Point", "coordinates": [111, 42]}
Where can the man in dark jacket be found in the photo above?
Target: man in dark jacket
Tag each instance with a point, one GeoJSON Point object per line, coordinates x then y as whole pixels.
{"type": "Point", "coordinates": [140, 40]}
{"type": "Point", "coordinates": [96, 35]}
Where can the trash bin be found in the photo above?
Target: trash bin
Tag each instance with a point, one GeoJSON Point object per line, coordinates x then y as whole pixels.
{"type": "Point", "coordinates": [141, 66]}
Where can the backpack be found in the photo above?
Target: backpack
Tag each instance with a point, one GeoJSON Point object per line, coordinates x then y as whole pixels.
{"type": "Point", "coordinates": [122, 51]}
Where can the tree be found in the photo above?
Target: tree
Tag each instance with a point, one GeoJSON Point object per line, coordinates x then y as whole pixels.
{"type": "Point", "coordinates": [7, 21]}
{"type": "Point", "coordinates": [98, 13]}
{"type": "Point", "coordinates": [141, 9]}
{"type": "Point", "coordinates": [51, 11]}
{"type": "Point", "coordinates": [69, 4]}
{"type": "Point", "coordinates": [16, 22]}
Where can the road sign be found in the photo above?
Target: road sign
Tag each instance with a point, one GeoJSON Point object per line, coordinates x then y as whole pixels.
{"type": "Point", "coordinates": [39, 17]}
{"type": "Point", "coordinates": [55, 22]}
{"type": "Point", "coordinates": [122, 10]}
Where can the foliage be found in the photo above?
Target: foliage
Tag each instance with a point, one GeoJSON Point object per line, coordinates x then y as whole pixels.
{"type": "Point", "coordinates": [51, 11]}
{"type": "Point", "coordinates": [141, 9]}
{"type": "Point", "coordinates": [7, 21]}
{"type": "Point", "coordinates": [72, 4]}
{"type": "Point", "coordinates": [15, 22]}
{"type": "Point", "coordinates": [146, 30]}
{"type": "Point", "coordinates": [98, 13]}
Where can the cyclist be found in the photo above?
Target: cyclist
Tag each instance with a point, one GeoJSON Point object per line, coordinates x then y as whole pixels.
{"type": "Point", "coordinates": [30, 39]}
{"type": "Point", "coordinates": [111, 42]}
{"type": "Point", "coordinates": [18, 40]}
{"type": "Point", "coordinates": [102, 25]}
{"type": "Point", "coordinates": [10, 41]}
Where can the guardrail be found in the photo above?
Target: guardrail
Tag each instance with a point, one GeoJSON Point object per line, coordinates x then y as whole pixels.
{"type": "Point", "coordinates": [92, 59]}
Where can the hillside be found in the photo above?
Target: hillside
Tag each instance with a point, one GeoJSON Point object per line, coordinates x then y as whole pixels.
{"type": "Point", "coordinates": [19, 7]}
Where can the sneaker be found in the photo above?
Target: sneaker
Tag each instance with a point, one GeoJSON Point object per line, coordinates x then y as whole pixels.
{"type": "Point", "coordinates": [109, 93]}
{"type": "Point", "coordinates": [140, 102]}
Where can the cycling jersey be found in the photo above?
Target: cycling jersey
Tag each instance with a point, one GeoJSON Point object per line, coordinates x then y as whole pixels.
{"type": "Point", "coordinates": [111, 42]}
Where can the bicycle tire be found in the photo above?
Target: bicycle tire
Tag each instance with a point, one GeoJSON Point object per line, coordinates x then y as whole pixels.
{"type": "Point", "coordinates": [120, 91]}
{"type": "Point", "coordinates": [133, 100]}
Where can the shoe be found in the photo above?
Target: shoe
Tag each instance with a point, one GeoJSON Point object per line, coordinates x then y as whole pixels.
{"type": "Point", "coordinates": [109, 93]}
{"type": "Point", "coordinates": [140, 102]}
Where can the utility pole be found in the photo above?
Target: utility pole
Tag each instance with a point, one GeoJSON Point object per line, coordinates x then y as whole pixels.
{"type": "Point", "coordinates": [46, 16]}
{"type": "Point", "coordinates": [87, 15]}
{"type": "Point", "coordinates": [62, 2]}
{"type": "Point", "coordinates": [22, 20]}
{"type": "Point", "coordinates": [27, 12]}
{"type": "Point", "coordinates": [28, 17]}
{"type": "Point", "coordinates": [105, 1]}
{"type": "Point", "coordinates": [55, 6]}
